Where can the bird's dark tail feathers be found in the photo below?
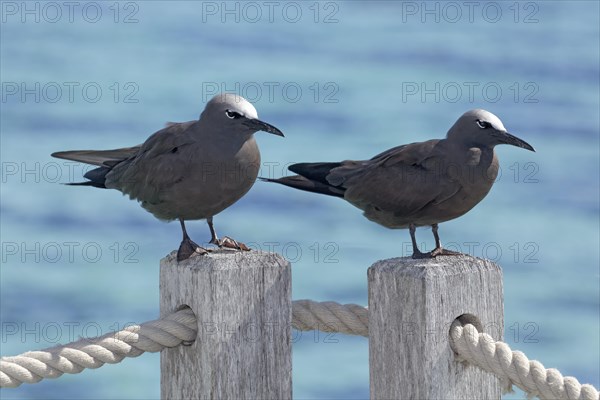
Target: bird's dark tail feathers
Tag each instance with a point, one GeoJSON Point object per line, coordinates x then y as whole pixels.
{"type": "Point", "coordinates": [314, 171]}
{"type": "Point", "coordinates": [312, 177]}
{"type": "Point", "coordinates": [302, 183]}
{"type": "Point", "coordinates": [104, 159]}
{"type": "Point", "coordinates": [96, 176]}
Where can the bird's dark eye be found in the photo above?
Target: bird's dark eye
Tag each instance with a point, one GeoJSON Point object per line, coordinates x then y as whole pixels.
{"type": "Point", "coordinates": [483, 124]}
{"type": "Point", "coordinates": [232, 114]}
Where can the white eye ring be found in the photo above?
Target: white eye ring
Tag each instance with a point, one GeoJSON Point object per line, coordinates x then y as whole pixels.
{"type": "Point", "coordinates": [483, 124]}
{"type": "Point", "coordinates": [232, 114]}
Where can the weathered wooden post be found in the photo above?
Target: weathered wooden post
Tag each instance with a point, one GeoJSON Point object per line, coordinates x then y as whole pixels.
{"type": "Point", "coordinates": [243, 304]}
{"type": "Point", "coordinates": [412, 304]}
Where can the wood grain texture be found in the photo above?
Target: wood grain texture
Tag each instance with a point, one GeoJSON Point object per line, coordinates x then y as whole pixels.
{"type": "Point", "coordinates": [411, 306]}
{"type": "Point", "coordinates": [243, 304]}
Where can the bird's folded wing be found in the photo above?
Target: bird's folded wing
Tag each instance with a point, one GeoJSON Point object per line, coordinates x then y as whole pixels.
{"type": "Point", "coordinates": [410, 154]}
{"type": "Point", "coordinates": [402, 180]}
{"type": "Point", "coordinates": [409, 158]}
{"type": "Point", "coordinates": [156, 167]}
{"type": "Point", "coordinates": [402, 190]}
{"type": "Point", "coordinates": [103, 158]}
{"type": "Point", "coordinates": [167, 139]}
{"type": "Point", "coordinates": [162, 141]}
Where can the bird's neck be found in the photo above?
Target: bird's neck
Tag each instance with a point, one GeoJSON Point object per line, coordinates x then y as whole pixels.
{"type": "Point", "coordinates": [481, 166]}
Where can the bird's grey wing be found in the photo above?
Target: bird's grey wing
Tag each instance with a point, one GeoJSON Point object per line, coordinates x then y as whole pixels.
{"type": "Point", "coordinates": [108, 158]}
{"type": "Point", "coordinates": [156, 167]}
{"type": "Point", "coordinates": [411, 154]}
{"type": "Point", "coordinates": [102, 158]}
{"type": "Point", "coordinates": [388, 152]}
{"type": "Point", "coordinates": [402, 180]}
{"type": "Point", "coordinates": [407, 155]}
{"type": "Point", "coordinates": [167, 139]}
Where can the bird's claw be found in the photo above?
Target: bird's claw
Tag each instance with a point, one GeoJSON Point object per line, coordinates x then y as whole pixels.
{"type": "Point", "coordinates": [438, 251]}
{"type": "Point", "coordinates": [230, 243]}
{"type": "Point", "coordinates": [417, 255]}
{"type": "Point", "coordinates": [188, 248]}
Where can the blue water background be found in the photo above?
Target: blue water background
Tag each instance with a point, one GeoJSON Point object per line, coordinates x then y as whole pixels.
{"type": "Point", "coordinates": [357, 65]}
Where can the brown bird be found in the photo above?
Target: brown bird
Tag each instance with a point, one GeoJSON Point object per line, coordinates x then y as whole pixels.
{"type": "Point", "coordinates": [186, 171]}
{"type": "Point", "coordinates": [417, 184]}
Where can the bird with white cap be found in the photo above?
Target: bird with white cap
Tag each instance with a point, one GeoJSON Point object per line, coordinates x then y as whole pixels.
{"type": "Point", "coordinates": [417, 184]}
{"type": "Point", "coordinates": [186, 171]}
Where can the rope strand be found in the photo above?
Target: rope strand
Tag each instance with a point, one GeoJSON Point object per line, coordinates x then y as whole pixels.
{"type": "Point", "coordinates": [476, 348]}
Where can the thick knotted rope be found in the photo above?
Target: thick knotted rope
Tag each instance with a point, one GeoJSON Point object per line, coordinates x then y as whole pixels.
{"type": "Point", "coordinates": [513, 367]}
{"type": "Point", "coordinates": [328, 316]}
{"type": "Point", "coordinates": [479, 349]}
{"type": "Point", "coordinates": [152, 336]}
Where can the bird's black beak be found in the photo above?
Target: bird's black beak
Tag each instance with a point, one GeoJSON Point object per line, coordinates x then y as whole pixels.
{"type": "Point", "coordinates": [258, 125]}
{"type": "Point", "coordinates": [507, 138]}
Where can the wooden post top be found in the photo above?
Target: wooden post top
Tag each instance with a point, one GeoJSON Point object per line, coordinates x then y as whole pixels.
{"type": "Point", "coordinates": [412, 304]}
{"type": "Point", "coordinates": [242, 302]}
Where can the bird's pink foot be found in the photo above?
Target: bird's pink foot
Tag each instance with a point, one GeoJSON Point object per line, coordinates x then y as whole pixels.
{"type": "Point", "coordinates": [230, 243]}
{"type": "Point", "coordinates": [438, 251]}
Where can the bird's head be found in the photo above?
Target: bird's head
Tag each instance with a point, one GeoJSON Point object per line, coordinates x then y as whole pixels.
{"type": "Point", "coordinates": [482, 128]}
{"type": "Point", "coordinates": [235, 114]}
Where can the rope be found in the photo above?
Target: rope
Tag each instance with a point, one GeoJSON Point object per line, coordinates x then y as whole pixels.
{"type": "Point", "coordinates": [328, 316]}
{"type": "Point", "coordinates": [152, 336]}
{"type": "Point", "coordinates": [514, 368]}
{"type": "Point", "coordinates": [478, 349]}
